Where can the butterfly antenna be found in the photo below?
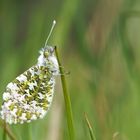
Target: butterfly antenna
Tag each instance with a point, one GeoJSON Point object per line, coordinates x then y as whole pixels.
{"type": "Point", "coordinates": [53, 25]}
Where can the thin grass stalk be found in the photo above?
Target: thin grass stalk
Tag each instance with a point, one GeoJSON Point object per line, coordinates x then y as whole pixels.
{"type": "Point", "coordinates": [92, 135]}
{"type": "Point", "coordinates": [115, 135]}
{"type": "Point", "coordinates": [8, 131]}
{"type": "Point", "coordinates": [67, 100]}
{"type": "Point", "coordinates": [29, 131]}
{"type": "Point", "coordinates": [4, 131]}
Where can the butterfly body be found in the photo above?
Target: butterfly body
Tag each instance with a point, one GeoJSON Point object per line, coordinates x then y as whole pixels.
{"type": "Point", "coordinates": [29, 96]}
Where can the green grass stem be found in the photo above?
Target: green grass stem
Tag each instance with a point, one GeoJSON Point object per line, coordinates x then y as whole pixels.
{"type": "Point", "coordinates": [7, 130]}
{"type": "Point", "coordinates": [29, 131]}
{"type": "Point", "coordinates": [92, 135]}
{"type": "Point", "coordinates": [4, 132]}
{"type": "Point", "coordinates": [66, 99]}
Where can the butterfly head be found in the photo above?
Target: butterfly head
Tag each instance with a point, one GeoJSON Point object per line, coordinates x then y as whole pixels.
{"type": "Point", "coordinates": [47, 58]}
{"type": "Point", "coordinates": [48, 51]}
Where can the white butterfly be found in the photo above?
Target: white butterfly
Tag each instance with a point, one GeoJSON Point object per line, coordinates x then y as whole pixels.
{"type": "Point", "coordinates": [29, 96]}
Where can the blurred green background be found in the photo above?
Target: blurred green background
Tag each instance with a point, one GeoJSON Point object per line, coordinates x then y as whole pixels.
{"type": "Point", "coordinates": [99, 43]}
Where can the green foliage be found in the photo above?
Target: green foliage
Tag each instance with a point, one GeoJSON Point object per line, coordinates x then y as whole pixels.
{"type": "Point", "coordinates": [92, 135]}
{"type": "Point", "coordinates": [67, 100]}
{"type": "Point", "coordinates": [99, 44]}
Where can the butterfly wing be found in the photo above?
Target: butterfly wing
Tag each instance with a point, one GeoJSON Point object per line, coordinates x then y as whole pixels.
{"type": "Point", "coordinates": [29, 96]}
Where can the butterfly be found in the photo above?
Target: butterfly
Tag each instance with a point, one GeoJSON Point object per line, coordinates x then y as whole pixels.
{"type": "Point", "coordinates": [29, 96]}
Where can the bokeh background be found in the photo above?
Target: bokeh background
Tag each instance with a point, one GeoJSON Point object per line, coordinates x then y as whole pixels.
{"type": "Point", "coordinates": [99, 43]}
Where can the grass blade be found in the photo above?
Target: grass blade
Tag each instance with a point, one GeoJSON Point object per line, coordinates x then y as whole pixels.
{"type": "Point", "coordinates": [28, 128]}
{"type": "Point", "coordinates": [115, 135]}
{"type": "Point", "coordinates": [7, 130]}
{"type": "Point", "coordinates": [92, 136]}
{"type": "Point", "coordinates": [67, 100]}
{"type": "Point", "coordinates": [4, 131]}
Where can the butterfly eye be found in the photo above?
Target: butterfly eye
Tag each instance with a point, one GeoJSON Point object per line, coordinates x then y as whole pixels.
{"type": "Point", "coordinates": [51, 50]}
{"type": "Point", "coordinates": [46, 54]}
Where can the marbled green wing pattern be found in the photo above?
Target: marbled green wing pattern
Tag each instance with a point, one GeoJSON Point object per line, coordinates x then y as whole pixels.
{"type": "Point", "coordinates": [29, 96]}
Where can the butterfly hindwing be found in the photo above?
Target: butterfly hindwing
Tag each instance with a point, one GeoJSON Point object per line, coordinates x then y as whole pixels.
{"type": "Point", "coordinates": [29, 96]}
